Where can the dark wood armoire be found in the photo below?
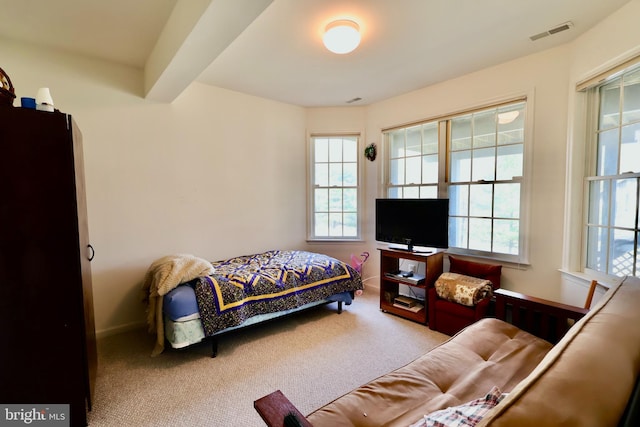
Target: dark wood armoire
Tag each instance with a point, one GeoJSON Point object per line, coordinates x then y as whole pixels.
{"type": "Point", "coordinates": [47, 334]}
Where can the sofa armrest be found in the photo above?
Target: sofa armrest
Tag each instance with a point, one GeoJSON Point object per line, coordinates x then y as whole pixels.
{"type": "Point", "coordinates": [546, 319]}
{"type": "Point", "coordinates": [275, 407]}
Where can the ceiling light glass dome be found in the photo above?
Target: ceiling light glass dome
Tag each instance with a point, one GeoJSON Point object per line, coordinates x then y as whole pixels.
{"type": "Point", "coordinates": [342, 36]}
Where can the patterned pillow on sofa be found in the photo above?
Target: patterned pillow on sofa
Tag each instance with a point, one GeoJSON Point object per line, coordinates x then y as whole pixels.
{"type": "Point", "coordinates": [468, 414]}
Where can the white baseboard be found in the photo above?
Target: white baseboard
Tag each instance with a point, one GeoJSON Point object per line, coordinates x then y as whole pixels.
{"type": "Point", "coordinates": [103, 333]}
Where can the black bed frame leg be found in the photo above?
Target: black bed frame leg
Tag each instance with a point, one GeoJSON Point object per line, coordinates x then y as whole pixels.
{"type": "Point", "coordinates": [339, 307]}
{"type": "Point", "coordinates": [214, 347]}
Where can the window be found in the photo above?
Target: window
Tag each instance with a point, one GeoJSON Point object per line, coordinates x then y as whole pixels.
{"type": "Point", "coordinates": [613, 178]}
{"type": "Point", "coordinates": [486, 153]}
{"type": "Point", "coordinates": [334, 188]}
{"type": "Point", "coordinates": [483, 151]}
{"type": "Point", "coordinates": [413, 162]}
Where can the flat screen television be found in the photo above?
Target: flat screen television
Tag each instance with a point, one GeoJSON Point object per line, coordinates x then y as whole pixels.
{"type": "Point", "coordinates": [413, 224]}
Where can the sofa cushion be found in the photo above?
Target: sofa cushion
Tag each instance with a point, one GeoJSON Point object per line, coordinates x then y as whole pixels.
{"type": "Point", "coordinates": [490, 272]}
{"type": "Point", "coordinates": [588, 377]}
{"type": "Point", "coordinates": [486, 354]}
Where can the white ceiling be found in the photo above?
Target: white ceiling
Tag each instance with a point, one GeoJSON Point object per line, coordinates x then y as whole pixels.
{"type": "Point", "coordinates": [273, 48]}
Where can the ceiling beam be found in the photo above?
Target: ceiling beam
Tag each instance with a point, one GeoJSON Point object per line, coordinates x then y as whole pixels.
{"type": "Point", "coordinates": [195, 34]}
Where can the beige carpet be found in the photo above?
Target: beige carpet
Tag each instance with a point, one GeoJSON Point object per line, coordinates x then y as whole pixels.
{"type": "Point", "coordinates": [313, 357]}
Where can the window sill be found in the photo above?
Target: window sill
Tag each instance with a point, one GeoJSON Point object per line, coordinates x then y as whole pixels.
{"type": "Point", "coordinates": [508, 263]}
{"type": "Point", "coordinates": [606, 281]}
{"type": "Point", "coordinates": [325, 241]}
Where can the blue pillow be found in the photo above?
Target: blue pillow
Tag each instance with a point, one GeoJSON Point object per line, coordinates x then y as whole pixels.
{"type": "Point", "coordinates": [180, 302]}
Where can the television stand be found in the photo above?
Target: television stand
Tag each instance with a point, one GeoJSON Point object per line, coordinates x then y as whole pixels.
{"type": "Point", "coordinates": [391, 278]}
{"type": "Point", "coordinates": [411, 248]}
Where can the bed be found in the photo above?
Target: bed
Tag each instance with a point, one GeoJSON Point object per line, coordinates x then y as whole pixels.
{"type": "Point", "coordinates": [191, 299]}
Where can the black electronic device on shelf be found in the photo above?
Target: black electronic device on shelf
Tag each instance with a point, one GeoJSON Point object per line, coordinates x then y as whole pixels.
{"type": "Point", "coordinates": [406, 276]}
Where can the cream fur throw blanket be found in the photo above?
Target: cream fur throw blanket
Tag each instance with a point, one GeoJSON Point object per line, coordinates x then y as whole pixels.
{"type": "Point", "coordinates": [162, 276]}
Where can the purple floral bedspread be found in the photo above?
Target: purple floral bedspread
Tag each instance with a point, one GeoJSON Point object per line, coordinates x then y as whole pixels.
{"type": "Point", "coordinates": [269, 282]}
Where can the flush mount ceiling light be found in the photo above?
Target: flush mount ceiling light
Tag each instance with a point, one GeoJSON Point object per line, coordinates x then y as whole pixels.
{"type": "Point", "coordinates": [341, 36]}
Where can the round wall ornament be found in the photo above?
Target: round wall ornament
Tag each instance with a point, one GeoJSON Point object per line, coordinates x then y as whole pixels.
{"type": "Point", "coordinates": [371, 152]}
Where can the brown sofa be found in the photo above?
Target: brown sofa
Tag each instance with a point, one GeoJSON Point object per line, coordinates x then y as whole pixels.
{"type": "Point", "coordinates": [589, 378]}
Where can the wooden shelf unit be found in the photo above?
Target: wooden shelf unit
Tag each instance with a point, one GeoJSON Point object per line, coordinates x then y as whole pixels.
{"type": "Point", "coordinates": [389, 286]}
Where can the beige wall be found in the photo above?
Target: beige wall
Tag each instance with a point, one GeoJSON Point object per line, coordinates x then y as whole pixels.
{"type": "Point", "coordinates": [215, 173]}
{"type": "Point", "coordinates": [218, 173]}
{"type": "Point", "coordinates": [543, 78]}
{"type": "Point", "coordinates": [548, 79]}
{"type": "Point", "coordinates": [610, 43]}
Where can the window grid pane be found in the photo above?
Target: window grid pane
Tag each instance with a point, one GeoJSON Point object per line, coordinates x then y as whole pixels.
{"type": "Point", "coordinates": [461, 133]}
{"type": "Point", "coordinates": [413, 170]}
{"type": "Point", "coordinates": [430, 138]}
{"type": "Point", "coordinates": [396, 144]}
{"type": "Point", "coordinates": [483, 166]}
{"type": "Point", "coordinates": [458, 232]}
{"type": "Point", "coordinates": [484, 129]}
{"type": "Point", "coordinates": [480, 234]}
{"type": "Point", "coordinates": [511, 124]}
{"type": "Point", "coordinates": [506, 234]}
{"type": "Point", "coordinates": [335, 192]}
{"type": "Point", "coordinates": [411, 192]}
{"type": "Point", "coordinates": [599, 205]}
{"type": "Point", "coordinates": [481, 200]}
{"type": "Point", "coordinates": [610, 105]}
{"type": "Point", "coordinates": [429, 192]}
{"type": "Point", "coordinates": [350, 150]}
{"type": "Point", "coordinates": [413, 161]}
{"type": "Point", "coordinates": [335, 150]}
{"type": "Point", "coordinates": [621, 259]}
{"type": "Point", "coordinates": [630, 148]}
{"type": "Point", "coordinates": [335, 174]}
{"type": "Point", "coordinates": [430, 169]}
{"type": "Point", "coordinates": [503, 207]}
{"type": "Point", "coordinates": [460, 166]}
{"type": "Point", "coordinates": [608, 152]}
{"type": "Point", "coordinates": [509, 162]}
{"type": "Point", "coordinates": [414, 141]}
{"type": "Point", "coordinates": [631, 98]}
{"type": "Point", "coordinates": [597, 248]}
{"type": "Point", "coordinates": [396, 174]}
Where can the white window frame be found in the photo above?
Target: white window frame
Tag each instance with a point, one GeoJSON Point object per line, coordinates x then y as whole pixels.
{"type": "Point", "coordinates": [522, 258]}
{"type": "Point", "coordinates": [423, 186]}
{"type": "Point", "coordinates": [311, 217]}
{"type": "Point", "coordinates": [591, 175]}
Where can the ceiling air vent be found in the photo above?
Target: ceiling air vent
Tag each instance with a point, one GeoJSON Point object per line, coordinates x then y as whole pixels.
{"type": "Point", "coordinates": [562, 27]}
{"type": "Point", "coordinates": [354, 100]}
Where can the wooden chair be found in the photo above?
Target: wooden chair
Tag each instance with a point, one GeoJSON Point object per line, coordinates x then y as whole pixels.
{"type": "Point", "coordinates": [450, 317]}
{"type": "Point", "coordinates": [592, 288]}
